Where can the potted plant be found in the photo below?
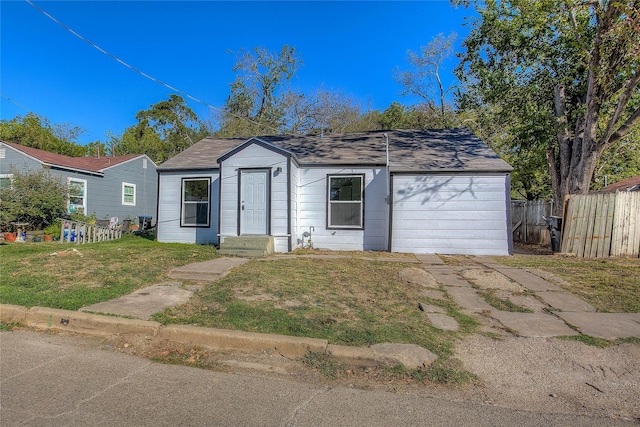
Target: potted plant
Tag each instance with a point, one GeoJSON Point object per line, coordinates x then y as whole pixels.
{"type": "Point", "coordinates": [52, 230]}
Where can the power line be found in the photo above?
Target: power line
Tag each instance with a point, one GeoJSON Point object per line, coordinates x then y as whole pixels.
{"type": "Point", "coordinates": [14, 102]}
{"type": "Point", "coordinates": [142, 73]}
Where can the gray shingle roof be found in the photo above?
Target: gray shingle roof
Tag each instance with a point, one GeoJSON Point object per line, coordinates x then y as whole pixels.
{"type": "Point", "coordinates": [442, 150]}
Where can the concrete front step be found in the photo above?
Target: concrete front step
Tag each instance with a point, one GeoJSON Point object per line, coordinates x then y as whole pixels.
{"type": "Point", "coordinates": [247, 246]}
{"type": "Point", "coordinates": [246, 253]}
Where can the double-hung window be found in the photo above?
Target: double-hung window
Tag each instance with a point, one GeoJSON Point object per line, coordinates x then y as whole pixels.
{"type": "Point", "coordinates": [345, 201]}
{"type": "Point", "coordinates": [5, 181]}
{"type": "Point", "coordinates": [77, 195]}
{"type": "Point", "coordinates": [196, 198]}
{"type": "Point", "coordinates": [128, 194]}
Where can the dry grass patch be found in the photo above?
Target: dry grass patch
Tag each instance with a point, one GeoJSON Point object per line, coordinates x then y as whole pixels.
{"type": "Point", "coordinates": [346, 301]}
{"type": "Point", "coordinates": [609, 284]}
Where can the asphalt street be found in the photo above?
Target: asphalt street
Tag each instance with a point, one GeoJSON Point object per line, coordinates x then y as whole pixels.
{"type": "Point", "coordinates": [52, 380]}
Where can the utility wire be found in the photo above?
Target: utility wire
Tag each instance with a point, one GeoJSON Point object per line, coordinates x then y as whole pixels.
{"type": "Point", "coordinates": [142, 73]}
{"type": "Point", "coordinates": [14, 102]}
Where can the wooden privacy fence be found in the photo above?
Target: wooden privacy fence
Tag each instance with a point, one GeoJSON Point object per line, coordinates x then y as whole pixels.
{"type": "Point", "coordinates": [527, 222]}
{"type": "Point", "coordinates": [82, 232]}
{"type": "Point", "coordinates": [602, 225]}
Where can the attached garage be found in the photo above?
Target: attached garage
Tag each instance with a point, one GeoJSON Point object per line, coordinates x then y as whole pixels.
{"type": "Point", "coordinates": [452, 214]}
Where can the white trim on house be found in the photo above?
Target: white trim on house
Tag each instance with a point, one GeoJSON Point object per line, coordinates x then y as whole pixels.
{"type": "Point", "coordinates": [74, 207]}
{"type": "Point", "coordinates": [125, 202]}
{"type": "Point", "coordinates": [8, 176]}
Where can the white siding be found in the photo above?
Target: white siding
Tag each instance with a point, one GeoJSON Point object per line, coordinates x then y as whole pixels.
{"type": "Point", "coordinates": [256, 157]}
{"type": "Point", "coordinates": [169, 202]}
{"type": "Point", "coordinates": [312, 210]}
{"type": "Point", "coordinates": [451, 214]}
{"type": "Point", "coordinates": [293, 188]}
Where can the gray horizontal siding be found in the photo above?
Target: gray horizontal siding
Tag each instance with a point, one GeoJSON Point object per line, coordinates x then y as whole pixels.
{"type": "Point", "coordinates": [169, 204]}
{"type": "Point", "coordinates": [313, 210]}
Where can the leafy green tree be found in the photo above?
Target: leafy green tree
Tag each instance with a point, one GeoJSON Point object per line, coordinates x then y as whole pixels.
{"type": "Point", "coordinates": [558, 75]}
{"type": "Point", "coordinates": [256, 103]}
{"type": "Point", "coordinates": [399, 116]}
{"type": "Point", "coordinates": [37, 132]}
{"type": "Point", "coordinates": [165, 129]}
{"type": "Point", "coordinates": [620, 162]}
{"type": "Point", "coordinates": [35, 197]}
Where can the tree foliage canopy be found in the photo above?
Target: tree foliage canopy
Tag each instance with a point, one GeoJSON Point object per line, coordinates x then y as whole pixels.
{"type": "Point", "coordinates": [558, 74]}
{"type": "Point", "coordinates": [162, 131]}
{"type": "Point", "coordinates": [35, 131]}
{"type": "Point", "coordinates": [35, 197]}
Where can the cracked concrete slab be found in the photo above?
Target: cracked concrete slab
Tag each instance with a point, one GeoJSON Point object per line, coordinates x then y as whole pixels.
{"type": "Point", "coordinates": [447, 276]}
{"type": "Point", "coordinates": [533, 325]}
{"type": "Point", "coordinates": [429, 259]}
{"type": "Point", "coordinates": [443, 322]}
{"type": "Point", "coordinates": [526, 279]}
{"type": "Point", "coordinates": [468, 298]}
{"type": "Point", "coordinates": [144, 302]}
{"type": "Point", "coordinates": [604, 325]}
{"type": "Point", "coordinates": [565, 301]}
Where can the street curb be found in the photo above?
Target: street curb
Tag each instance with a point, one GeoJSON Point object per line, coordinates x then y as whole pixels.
{"type": "Point", "coordinates": [224, 339]}
{"type": "Point", "coordinates": [353, 356]}
{"type": "Point", "coordinates": [77, 321]}
{"type": "Point", "coordinates": [211, 338]}
{"type": "Point", "coordinates": [215, 339]}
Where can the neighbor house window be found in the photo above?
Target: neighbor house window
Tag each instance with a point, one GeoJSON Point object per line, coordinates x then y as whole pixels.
{"type": "Point", "coordinates": [5, 181]}
{"type": "Point", "coordinates": [77, 195]}
{"type": "Point", "coordinates": [345, 205]}
{"type": "Point", "coordinates": [128, 194]}
{"type": "Point", "coordinates": [196, 196]}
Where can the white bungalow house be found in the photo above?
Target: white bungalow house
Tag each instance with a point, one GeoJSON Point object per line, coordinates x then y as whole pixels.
{"type": "Point", "coordinates": [436, 191]}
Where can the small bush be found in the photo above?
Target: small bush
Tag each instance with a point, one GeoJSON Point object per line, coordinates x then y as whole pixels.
{"type": "Point", "coordinates": [35, 197]}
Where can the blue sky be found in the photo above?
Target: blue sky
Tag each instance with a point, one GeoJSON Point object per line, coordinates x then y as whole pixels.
{"type": "Point", "coordinates": [348, 47]}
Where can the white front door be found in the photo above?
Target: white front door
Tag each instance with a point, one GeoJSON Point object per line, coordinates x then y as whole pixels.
{"type": "Point", "coordinates": [254, 203]}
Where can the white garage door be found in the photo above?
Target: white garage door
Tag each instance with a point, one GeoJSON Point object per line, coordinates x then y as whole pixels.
{"type": "Point", "coordinates": [451, 214]}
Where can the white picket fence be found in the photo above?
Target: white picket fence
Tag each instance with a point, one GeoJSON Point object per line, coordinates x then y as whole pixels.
{"type": "Point", "coordinates": [79, 232]}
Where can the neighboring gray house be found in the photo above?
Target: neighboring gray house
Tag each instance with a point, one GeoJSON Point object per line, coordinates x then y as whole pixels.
{"type": "Point", "coordinates": [120, 186]}
{"type": "Point", "coordinates": [438, 191]}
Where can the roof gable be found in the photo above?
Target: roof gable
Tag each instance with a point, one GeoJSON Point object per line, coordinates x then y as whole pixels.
{"type": "Point", "coordinates": [254, 141]}
{"type": "Point", "coordinates": [85, 164]}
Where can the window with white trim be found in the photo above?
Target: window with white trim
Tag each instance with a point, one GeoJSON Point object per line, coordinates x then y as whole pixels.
{"type": "Point", "coordinates": [196, 196]}
{"type": "Point", "coordinates": [77, 195]}
{"type": "Point", "coordinates": [5, 181]}
{"type": "Point", "coordinates": [128, 194]}
{"type": "Point", "coordinates": [345, 201]}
